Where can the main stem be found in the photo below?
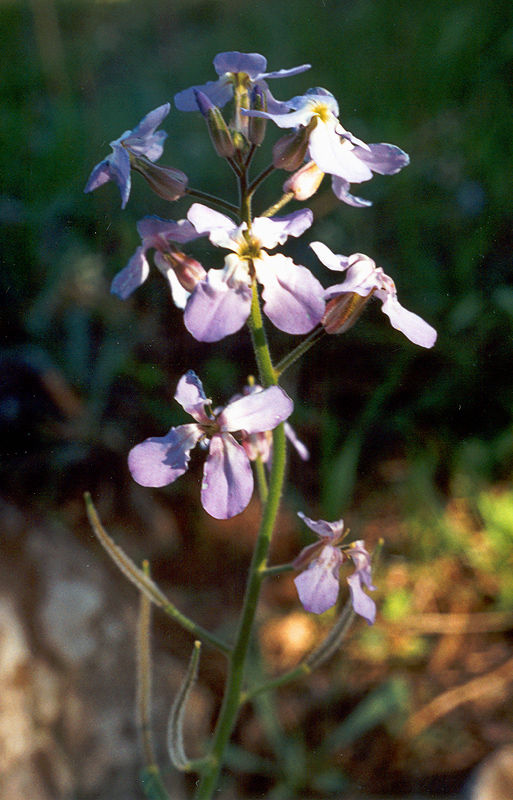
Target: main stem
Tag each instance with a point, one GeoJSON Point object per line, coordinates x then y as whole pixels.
{"type": "Point", "coordinates": [233, 692]}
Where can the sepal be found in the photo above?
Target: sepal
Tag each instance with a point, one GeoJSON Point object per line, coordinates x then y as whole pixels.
{"type": "Point", "coordinates": [289, 152]}
{"type": "Point", "coordinates": [167, 182]}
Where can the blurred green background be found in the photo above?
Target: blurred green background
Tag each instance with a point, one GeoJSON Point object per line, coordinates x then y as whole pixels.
{"type": "Point", "coordinates": [85, 376]}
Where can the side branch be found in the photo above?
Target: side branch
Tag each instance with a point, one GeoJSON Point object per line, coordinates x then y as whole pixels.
{"type": "Point", "coordinates": [144, 583]}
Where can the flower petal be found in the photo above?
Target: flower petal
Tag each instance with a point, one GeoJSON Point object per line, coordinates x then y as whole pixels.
{"type": "Point", "coordinates": [218, 92]}
{"type": "Point", "coordinates": [219, 227]}
{"type": "Point", "coordinates": [414, 327]}
{"type": "Point", "coordinates": [331, 531]}
{"type": "Point", "coordinates": [275, 230]}
{"type": "Point", "coordinates": [362, 603]}
{"type": "Point", "coordinates": [101, 174]}
{"type": "Point", "coordinates": [150, 122]}
{"type": "Point", "coordinates": [215, 309]}
{"type": "Point", "coordinates": [178, 293]}
{"type": "Point", "coordinates": [156, 232]}
{"type": "Point", "coordinates": [293, 297]}
{"type": "Point", "coordinates": [336, 156]}
{"type": "Point", "coordinates": [328, 258]}
{"type": "Point", "coordinates": [119, 164]}
{"type": "Point", "coordinates": [287, 73]}
{"type": "Point", "coordinates": [318, 586]}
{"type": "Point", "coordinates": [132, 276]}
{"type": "Point", "coordinates": [252, 64]}
{"type": "Point", "coordinates": [227, 478]}
{"type": "Point", "coordinates": [386, 159]}
{"type": "Point", "coordinates": [143, 141]}
{"type": "Point", "coordinates": [301, 449]}
{"type": "Point", "coordinates": [362, 277]}
{"type": "Point", "coordinates": [257, 412]}
{"type": "Point", "coordinates": [191, 396]}
{"type": "Point", "coordinates": [340, 189]}
{"type": "Point", "coordinates": [161, 460]}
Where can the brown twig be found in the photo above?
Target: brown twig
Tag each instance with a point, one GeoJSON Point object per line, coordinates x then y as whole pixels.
{"type": "Point", "coordinates": [492, 686]}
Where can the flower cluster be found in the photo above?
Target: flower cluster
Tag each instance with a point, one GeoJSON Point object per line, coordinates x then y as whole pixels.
{"type": "Point", "coordinates": [318, 584]}
{"type": "Point", "coordinates": [218, 302]}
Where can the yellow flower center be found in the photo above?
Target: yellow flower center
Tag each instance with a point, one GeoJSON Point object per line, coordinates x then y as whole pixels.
{"type": "Point", "coordinates": [322, 111]}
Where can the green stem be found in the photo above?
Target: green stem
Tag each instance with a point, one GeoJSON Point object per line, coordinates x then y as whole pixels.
{"type": "Point", "coordinates": [272, 210]}
{"type": "Point", "coordinates": [267, 373]}
{"type": "Point", "coordinates": [260, 178]}
{"type": "Point", "coordinates": [298, 351]}
{"type": "Point", "coordinates": [261, 477]}
{"type": "Point", "coordinates": [281, 680]}
{"type": "Point", "coordinates": [232, 697]}
{"type": "Point", "coordinates": [318, 656]}
{"type": "Point", "coordinates": [278, 569]}
{"type": "Point", "coordinates": [271, 496]}
{"type": "Point", "coordinates": [210, 198]}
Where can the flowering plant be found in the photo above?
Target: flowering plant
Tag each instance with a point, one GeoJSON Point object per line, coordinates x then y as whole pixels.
{"type": "Point", "coordinates": [246, 439]}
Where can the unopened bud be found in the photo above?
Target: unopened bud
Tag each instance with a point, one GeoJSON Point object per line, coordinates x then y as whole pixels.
{"type": "Point", "coordinates": [188, 271]}
{"type": "Point", "coordinates": [257, 125]}
{"type": "Point", "coordinates": [217, 127]}
{"type": "Point", "coordinates": [167, 182]}
{"type": "Point", "coordinates": [289, 152]}
{"type": "Point", "coordinates": [343, 311]}
{"type": "Point", "coordinates": [305, 182]}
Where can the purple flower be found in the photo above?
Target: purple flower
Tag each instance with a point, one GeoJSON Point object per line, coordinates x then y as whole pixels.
{"type": "Point", "coordinates": [142, 141]}
{"type": "Point", "coordinates": [227, 483]}
{"type": "Point", "coordinates": [236, 69]}
{"type": "Point", "coordinates": [318, 584]}
{"type": "Point", "coordinates": [331, 147]}
{"type": "Point", "coordinates": [161, 235]}
{"type": "Point", "coordinates": [260, 444]}
{"type": "Point", "coordinates": [364, 278]}
{"type": "Point", "coordinates": [220, 305]}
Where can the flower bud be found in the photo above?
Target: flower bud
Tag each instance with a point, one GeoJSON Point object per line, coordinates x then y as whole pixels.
{"type": "Point", "coordinates": [305, 182]}
{"type": "Point", "coordinates": [289, 152]}
{"type": "Point", "coordinates": [257, 125]}
{"type": "Point", "coordinates": [167, 182]}
{"type": "Point", "coordinates": [217, 127]}
{"type": "Point", "coordinates": [343, 311]}
{"type": "Point", "coordinates": [188, 271]}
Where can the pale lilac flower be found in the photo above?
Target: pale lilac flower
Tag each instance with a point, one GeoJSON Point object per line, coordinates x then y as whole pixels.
{"type": "Point", "coordinates": [141, 141]}
{"type": "Point", "coordinates": [160, 235]}
{"type": "Point", "coordinates": [364, 278]}
{"type": "Point", "coordinates": [318, 585]}
{"type": "Point", "coordinates": [335, 150]}
{"type": "Point", "coordinates": [220, 305]}
{"type": "Point", "coordinates": [234, 68]}
{"type": "Point", "coordinates": [227, 483]}
{"type": "Point", "coordinates": [260, 444]}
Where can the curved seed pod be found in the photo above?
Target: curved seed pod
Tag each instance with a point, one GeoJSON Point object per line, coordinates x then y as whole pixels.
{"type": "Point", "coordinates": [175, 724]}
